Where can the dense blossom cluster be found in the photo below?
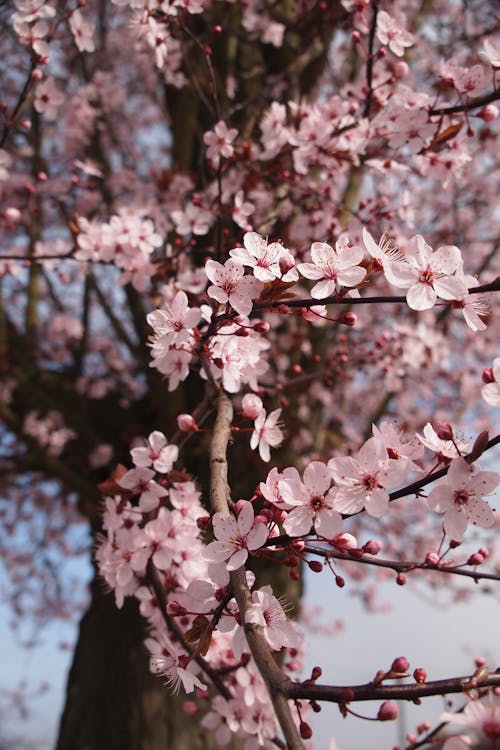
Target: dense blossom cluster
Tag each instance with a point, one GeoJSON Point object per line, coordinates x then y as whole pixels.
{"type": "Point", "coordinates": [186, 229]}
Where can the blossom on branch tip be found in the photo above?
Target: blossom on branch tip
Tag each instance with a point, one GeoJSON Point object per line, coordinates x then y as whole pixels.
{"type": "Point", "coordinates": [460, 498]}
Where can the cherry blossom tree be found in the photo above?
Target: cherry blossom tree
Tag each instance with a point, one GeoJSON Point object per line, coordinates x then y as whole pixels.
{"type": "Point", "coordinates": [248, 274]}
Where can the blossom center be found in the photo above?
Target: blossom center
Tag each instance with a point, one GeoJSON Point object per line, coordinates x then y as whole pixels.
{"type": "Point", "coordinates": [316, 503]}
{"type": "Point", "coordinates": [427, 277]}
{"type": "Point", "coordinates": [461, 497]}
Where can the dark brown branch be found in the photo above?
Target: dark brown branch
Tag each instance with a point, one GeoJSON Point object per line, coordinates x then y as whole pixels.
{"type": "Point", "coordinates": [371, 691]}
{"type": "Point", "coordinates": [480, 101]}
{"type": "Point", "coordinates": [401, 566]}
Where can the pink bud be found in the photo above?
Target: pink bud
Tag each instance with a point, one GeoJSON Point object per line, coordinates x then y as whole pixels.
{"type": "Point", "coordinates": [42, 176]}
{"type": "Point", "coordinates": [372, 547]}
{"type": "Point", "coordinates": [260, 519]}
{"type": "Point", "coordinates": [262, 326]}
{"type": "Point", "coordinates": [343, 541]}
{"type": "Point", "coordinates": [444, 431]}
{"type": "Point", "coordinates": [484, 552]}
{"type": "Point", "coordinates": [251, 406]}
{"type": "Point", "coordinates": [190, 708]}
{"type": "Point", "coordinates": [423, 727]}
{"type": "Point", "coordinates": [420, 675]}
{"type": "Point", "coordinates": [489, 113]}
{"type": "Point", "coordinates": [400, 579]}
{"type": "Point", "coordinates": [475, 559]}
{"type": "Point", "coordinates": [286, 263]}
{"type": "Point", "coordinates": [388, 711]}
{"type": "Point", "coordinates": [401, 70]}
{"type": "Point", "coordinates": [36, 74]}
{"type": "Point", "coordinates": [349, 319]}
{"type": "Point", "coordinates": [487, 376]}
{"type": "Point", "coordinates": [432, 558]}
{"type": "Point", "coordinates": [203, 522]}
{"type": "Point", "coordinates": [186, 423]}
{"type": "Point", "coordinates": [400, 665]}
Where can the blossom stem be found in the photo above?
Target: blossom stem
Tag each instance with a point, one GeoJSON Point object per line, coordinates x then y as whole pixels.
{"type": "Point", "coordinates": [278, 685]}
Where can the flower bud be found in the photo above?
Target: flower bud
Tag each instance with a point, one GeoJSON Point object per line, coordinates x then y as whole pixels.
{"type": "Point", "coordinates": [400, 665]}
{"type": "Point", "coordinates": [190, 708]}
{"type": "Point", "coordinates": [349, 319]}
{"type": "Point", "coordinates": [444, 431]}
{"type": "Point", "coordinates": [186, 423]}
{"type": "Point", "coordinates": [475, 559]}
{"type": "Point", "coordinates": [432, 558]}
{"type": "Point", "coordinates": [489, 113]}
{"type": "Point", "coordinates": [315, 566]}
{"type": "Point", "coordinates": [372, 547]}
{"type": "Point", "coordinates": [305, 731]}
{"type": "Point", "coordinates": [487, 376]}
{"type": "Point", "coordinates": [286, 263]}
{"type": "Point", "coordinates": [262, 326]}
{"type": "Point", "coordinates": [388, 711]}
{"type": "Point", "coordinates": [251, 406]}
{"type": "Point", "coordinates": [420, 675]}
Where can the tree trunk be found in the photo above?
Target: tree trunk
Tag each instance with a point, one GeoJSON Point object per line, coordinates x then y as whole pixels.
{"type": "Point", "coordinates": [113, 701]}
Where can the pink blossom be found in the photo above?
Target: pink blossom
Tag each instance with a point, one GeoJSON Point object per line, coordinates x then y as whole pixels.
{"type": "Point", "coordinates": [48, 98]}
{"type": "Point", "coordinates": [83, 31]}
{"type": "Point", "coordinates": [230, 285]}
{"type": "Point", "coordinates": [312, 502]}
{"type": "Point", "coordinates": [443, 448]}
{"type": "Point", "coordinates": [266, 433]}
{"type": "Point", "coordinates": [156, 452]}
{"type": "Point", "coordinates": [363, 479]}
{"type": "Point", "coordinates": [235, 537]}
{"type": "Point", "coordinates": [267, 612]}
{"type": "Point", "coordinates": [173, 323]}
{"type": "Point", "coordinates": [192, 220]}
{"type": "Point", "coordinates": [428, 274]}
{"type": "Point", "coordinates": [483, 718]}
{"type": "Point", "coordinates": [460, 498]}
{"type": "Point", "coordinates": [140, 481]}
{"type": "Point", "coordinates": [490, 54]}
{"type": "Point", "coordinates": [337, 268]}
{"type": "Point", "coordinates": [392, 34]}
{"type": "Point", "coordinates": [264, 259]}
{"type": "Point", "coordinates": [219, 142]}
{"type": "Point", "coordinates": [167, 659]}
{"type": "Point", "coordinates": [174, 363]}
